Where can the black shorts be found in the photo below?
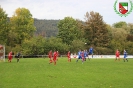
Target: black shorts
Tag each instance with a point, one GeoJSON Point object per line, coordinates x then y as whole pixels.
{"type": "Point", "coordinates": [18, 56]}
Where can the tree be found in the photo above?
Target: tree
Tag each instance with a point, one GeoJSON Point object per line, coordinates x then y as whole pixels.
{"type": "Point", "coordinates": [119, 24]}
{"type": "Point", "coordinates": [54, 43]}
{"type": "Point", "coordinates": [119, 40]}
{"type": "Point", "coordinates": [34, 46]}
{"type": "Point", "coordinates": [68, 30]}
{"type": "Point", "coordinates": [130, 25]}
{"type": "Point", "coordinates": [96, 32]}
{"type": "Point", "coordinates": [130, 37]}
{"type": "Point", "coordinates": [4, 26]}
{"type": "Point", "coordinates": [130, 34]}
{"type": "Point", "coordinates": [77, 45]}
{"type": "Point", "coordinates": [129, 47]}
{"type": "Point", "coordinates": [22, 24]}
{"type": "Point", "coordinates": [47, 28]}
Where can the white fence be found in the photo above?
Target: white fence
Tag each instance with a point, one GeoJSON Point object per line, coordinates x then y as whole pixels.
{"type": "Point", "coordinates": [103, 56]}
{"type": "Point", "coordinates": [76, 56]}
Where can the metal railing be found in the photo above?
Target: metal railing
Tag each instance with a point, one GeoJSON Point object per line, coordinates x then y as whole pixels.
{"type": "Point", "coordinates": [34, 56]}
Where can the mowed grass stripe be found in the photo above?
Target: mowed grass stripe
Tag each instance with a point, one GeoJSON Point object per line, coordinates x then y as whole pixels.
{"type": "Point", "coordinates": [37, 73]}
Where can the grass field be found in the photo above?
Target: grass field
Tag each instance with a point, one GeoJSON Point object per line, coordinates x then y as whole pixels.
{"type": "Point", "coordinates": [37, 73]}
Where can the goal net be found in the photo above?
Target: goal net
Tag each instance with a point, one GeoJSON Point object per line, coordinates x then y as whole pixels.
{"type": "Point", "coordinates": [2, 53]}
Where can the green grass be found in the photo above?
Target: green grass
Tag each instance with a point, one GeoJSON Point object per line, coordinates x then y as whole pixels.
{"type": "Point", "coordinates": [37, 73]}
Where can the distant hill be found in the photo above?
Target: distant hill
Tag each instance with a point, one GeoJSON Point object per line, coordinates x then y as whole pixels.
{"type": "Point", "coordinates": [46, 28]}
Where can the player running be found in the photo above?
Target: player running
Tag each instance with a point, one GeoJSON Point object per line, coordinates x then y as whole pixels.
{"type": "Point", "coordinates": [125, 56]}
{"type": "Point", "coordinates": [10, 56]}
{"type": "Point", "coordinates": [85, 54]}
{"type": "Point", "coordinates": [50, 56]}
{"type": "Point", "coordinates": [18, 56]}
{"type": "Point", "coordinates": [90, 52]}
{"type": "Point", "coordinates": [79, 55]}
{"type": "Point", "coordinates": [117, 53]}
{"type": "Point", "coordinates": [55, 57]}
{"type": "Point", "coordinates": [68, 55]}
{"type": "Point", "coordinates": [82, 55]}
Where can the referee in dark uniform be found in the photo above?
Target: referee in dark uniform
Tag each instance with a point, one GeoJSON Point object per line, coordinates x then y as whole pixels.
{"type": "Point", "coordinates": [18, 56]}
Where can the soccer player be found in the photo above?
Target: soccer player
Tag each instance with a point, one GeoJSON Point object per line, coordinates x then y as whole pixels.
{"type": "Point", "coordinates": [91, 52]}
{"type": "Point", "coordinates": [68, 55]}
{"type": "Point", "coordinates": [18, 56]}
{"type": "Point", "coordinates": [55, 57]}
{"type": "Point", "coordinates": [50, 56]}
{"type": "Point", "coordinates": [79, 55]}
{"type": "Point", "coordinates": [82, 55]}
{"type": "Point", "coordinates": [125, 56]}
{"type": "Point", "coordinates": [85, 54]}
{"type": "Point", "coordinates": [10, 56]}
{"type": "Point", "coordinates": [117, 53]}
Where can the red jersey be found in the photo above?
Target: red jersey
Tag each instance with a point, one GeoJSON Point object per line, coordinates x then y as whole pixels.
{"type": "Point", "coordinates": [50, 54]}
{"type": "Point", "coordinates": [55, 55]}
{"type": "Point", "coordinates": [68, 54]}
{"type": "Point", "coordinates": [117, 53]}
{"type": "Point", "coordinates": [82, 54]}
{"type": "Point", "coordinates": [10, 55]}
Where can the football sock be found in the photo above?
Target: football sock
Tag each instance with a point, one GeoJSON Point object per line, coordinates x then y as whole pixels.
{"type": "Point", "coordinates": [127, 60]}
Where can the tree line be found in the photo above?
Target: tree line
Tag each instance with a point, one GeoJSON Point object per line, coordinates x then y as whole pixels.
{"type": "Point", "coordinates": [46, 28]}
{"type": "Point", "coordinates": [22, 32]}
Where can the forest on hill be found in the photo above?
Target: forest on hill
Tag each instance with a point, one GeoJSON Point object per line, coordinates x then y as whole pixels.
{"type": "Point", "coordinates": [46, 28]}
{"type": "Point", "coordinates": [32, 36]}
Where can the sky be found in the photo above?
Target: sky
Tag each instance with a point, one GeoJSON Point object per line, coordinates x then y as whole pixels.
{"type": "Point", "coordinates": [59, 9]}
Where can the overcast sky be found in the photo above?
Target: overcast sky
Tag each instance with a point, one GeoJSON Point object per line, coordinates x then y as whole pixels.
{"type": "Point", "coordinates": [58, 9]}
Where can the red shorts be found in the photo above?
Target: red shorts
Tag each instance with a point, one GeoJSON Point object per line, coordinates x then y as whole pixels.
{"type": "Point", "coordinates": [9, 57]}
{"type": "Point", "coordinates": [54, 59]}
{"type": "Point", "coordinates": [117, 55]}
{"type": "Point", "coordinates": [83, 58]}
{"type": "Point", "coordinates": [50, 56]}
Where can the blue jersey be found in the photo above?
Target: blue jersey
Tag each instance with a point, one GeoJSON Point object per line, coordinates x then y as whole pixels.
{"type": "Point", "coordinates": [85, 54]}
{"type": "Point", "coordinates": [125, 54]}
{"type": "Point", "coordinates": [91, 50]}
{"type": "Point", "coordinates": [79, 55]}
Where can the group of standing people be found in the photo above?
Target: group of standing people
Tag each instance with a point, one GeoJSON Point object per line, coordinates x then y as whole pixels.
{"type": "Point", "coordinates": [81, 55]}
{"type": "Point", "coordinates": [10, 56]}
{"type": "Point", "coordinates": [117, 53]}
{"type": "Point", "coordinates": [53, 56]}
{"type": "Point", "coordinates": [84, 54]}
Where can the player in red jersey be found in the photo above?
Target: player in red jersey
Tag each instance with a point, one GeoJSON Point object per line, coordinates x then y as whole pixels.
{"type": "Point", "coordinates": [82, 55]}
{"type": "Point", "coordinates": [117, 53]}
{"type": "Point", "coordinates": [55, 57]}
{"type": "Point", "coordinates": [50, 56]}
{"type": "Point", "coordinates": [10, 56]}
{"type": "Point", "coordinates": [68, 55]}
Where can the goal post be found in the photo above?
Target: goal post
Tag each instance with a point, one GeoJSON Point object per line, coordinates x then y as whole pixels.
{"type": "Point", "coordinates": [2, 53]}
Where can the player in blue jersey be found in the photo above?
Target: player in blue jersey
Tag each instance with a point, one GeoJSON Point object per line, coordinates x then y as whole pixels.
{"type": "Point", "coordinates": [85, 54]}
{"type": "Point", "coordinates": [91, 52]}
{"type": "Point", "coordinates": [79, 55]}
{"type": "Point", "coordinates": [125, 56]}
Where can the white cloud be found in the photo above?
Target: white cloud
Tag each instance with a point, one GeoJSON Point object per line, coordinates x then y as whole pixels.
{"type": "Point", "coordinates": [58, 9]}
